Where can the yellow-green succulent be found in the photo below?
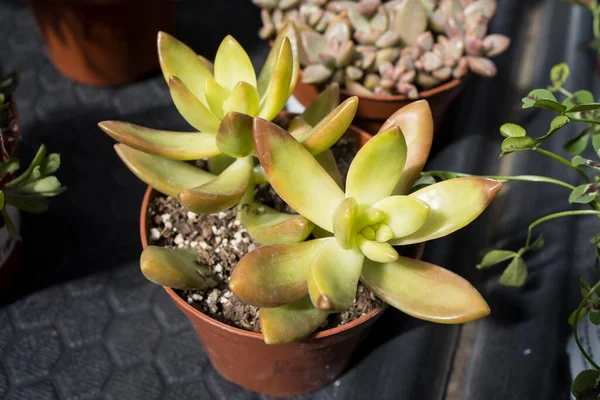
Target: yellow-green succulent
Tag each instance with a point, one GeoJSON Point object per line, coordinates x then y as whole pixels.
{"type": "Point", "coordinates": [298, 284]}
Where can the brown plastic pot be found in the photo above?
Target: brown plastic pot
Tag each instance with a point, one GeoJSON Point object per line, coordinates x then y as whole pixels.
{"type": "Point", "coordinates": [373, 110]}
{"type": "Point", "coordinates": [242, 357]}
{"type": "Point", "coordinates": [103, 42]}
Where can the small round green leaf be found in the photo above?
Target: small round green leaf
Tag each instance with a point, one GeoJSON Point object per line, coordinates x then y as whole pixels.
{"type": "Point", "coordinates": [512, 144]}
{"type": "Point", "coordinates": [578, 143]}
{"type": "Point", "coordinates": [495, 257]}
{"type": "Point", "coordinates": [515, 274]}
{"type": "Point", "coordinates": [595, 316]}
{"type": "Point", "coordinates": [512, 130]}
{"type": "Point", "coordinates": [536, 95]}
{"type": "Point", "coordinates": [559, 74]}
{"type": "Point", "coordinates": [584, 194]}
{"type": "Point", "coordinates": [586, 384]}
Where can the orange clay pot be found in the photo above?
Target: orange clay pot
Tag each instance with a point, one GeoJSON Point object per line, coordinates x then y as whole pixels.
{"type": "Point", "coordinates": [373, 110]}
{"type": "Point", "coordinates": [242, 357]}
{"type": "Point", "coordinates": [103, 42]}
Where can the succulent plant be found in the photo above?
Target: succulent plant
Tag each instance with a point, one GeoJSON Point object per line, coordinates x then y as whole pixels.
{"type": "Point", "coordinates": [385, 47]}
{"type": "Point", "coordinates": [298, 284]}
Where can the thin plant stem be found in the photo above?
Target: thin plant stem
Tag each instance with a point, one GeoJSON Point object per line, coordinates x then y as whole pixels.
{"type": "Point", "coordinates": [554, 216]}
{"type": "Point", "coordinates": [575, 323]}
{"type": "Point", "coordinates": [564, 162]}
{"type": "Point", "coordinates": [565, 91]}
{"type": "Point", "coordinates": [517, 178]}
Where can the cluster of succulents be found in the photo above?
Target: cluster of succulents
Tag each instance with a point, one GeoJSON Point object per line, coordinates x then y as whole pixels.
{"type": "Point", "coordinates": [309, 263]}
{"type": "Point", "coordinates": [28, 191]}
{"type": "Point", "coordinates": [388, 47]}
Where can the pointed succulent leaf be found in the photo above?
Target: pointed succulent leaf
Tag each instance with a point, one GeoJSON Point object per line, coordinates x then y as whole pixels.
{"type": "Point", "coordinates": [298, 127]}
{"type": "Point", "coordinates": [232, 65]}
{"type": "Point", "coordinates": [454, 204]}
{"type": "Point", "coordinates": [50, 164]}
{"type": "Point", "coordinates": [274, 275]}
{"type": "Point", "coordinates": [404, 215]}
{"type": "Point", "coordinates": [331, 128]}
{"type": "Point", "coordinates": [243, 99]}
{"type": "Point", "coordinates": [291, 322]}
{"type": "Point", "coordinates": [416, 123]}
{"type": "Point", "coordinates": [316, 74]}
{"type": "Point", "coordinates": [177, 59]}
{"type": "Point", "coordinates": [377, 167]}
{"type": "Point", "coordinates": [325, 103]}
{"type": "Point", "coordinates": [216, 95]}
{"type": "Point", "coordinates": [329, 164]}
{"type": "Point", "coordinates": [219, 194]}
{"type": "Point", "coordinates": [38, 159]}
{"type": "Point", "coordinates": [371, 216]}
{"type": "Point", "coordinates": [268, 226]}
{"type": "Point", "coordinates": [287, 163]}
{"type": "Point", "coordinates": [173, 145]}
{"type": "Point", "coordinates": [48, 186]}
{"type": "Point", "coordinates": [266, 74]}
{"type": "Point", "coordinates": [333, 277]}
{"type": "Point", "coordinates": [192, 109]}
{"type": "Point", "coordinates": [175, 268]}
{"type": "Point", "coordinates": [167, 176]}
{"type": "Point", "coordinates": [235, 135]}
{"type": "Point", "coordinates": [376, 251]}
{"type": "Point", "coordinates": [410, 20]}
{"type": "Point", "coordinates": [425, 291]}
{"type": "Point", "coordinates": [344, 218]}
{"type": "Point", "coordinates": [277, 93]}
{"type": "Point", "coordinates": [34, 204]}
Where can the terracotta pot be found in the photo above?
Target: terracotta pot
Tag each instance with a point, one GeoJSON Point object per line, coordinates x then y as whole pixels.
{"type": "Point", "coordinates": [373, 110]}
{"type": "Point", "coordinates": [284, 370]}
{"type": "Point", "coordinates": [103, 42]}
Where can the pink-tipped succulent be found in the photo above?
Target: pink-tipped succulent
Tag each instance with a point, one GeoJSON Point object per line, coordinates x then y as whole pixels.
{"type": "Point", "coordinates": [298, 284]}
{"type": "Point", "coordinates": [389, 47]}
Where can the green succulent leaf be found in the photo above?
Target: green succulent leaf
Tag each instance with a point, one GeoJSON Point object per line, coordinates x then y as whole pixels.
{"type": "Point", "coordinates": [404, 215]}
{"type": "Point", "coordinates": [284, 161]}
{"type": "Point", "coordinates": [177, 59]}
{"type": "Point", "coordinates": [219, 163]}
{"type": "Point", "coordinates": [559, 74]}
{"type": "Point", "coordinates": [39, 158]}
{"type": "Point", "coordinates": [584, 194]}
{"type": "Point", "coordinates": [513, 144]}
{"type": "Point", "coordinates": [192, 109]}
{"type": "Point", "coordinates": [324, 104]}
{"type": "Point", "coordinates": [496, 257]}
{"type": "Point", "coordinates": [291, 322]}
{"type": "Point", "coordinates": [376, 251]}
{"type": "Point", "coordinates": [515, 274]}
{"type": "Point", "coordinates": [344, 218]}
{"type": "Point", "coordinates": [174, 145]}
{"type": "Point", "coordinates": [270, 66]}
{"type": "Point", "coordinates": [453, 204]}
{"type": "Point", "coordinates": [416, 123]}
{"type": "Point", "coordinates": [369, 181]}
{"type": "Point", "coordinates": [512, 130]}
{"type": "Point", "coordinates": [48, 186]}
{"type": "Point", "coordinates": [34, 204]}
{"type": "Point", "coordinates": [235, 135]}
{"type": "Point", "coordinates": [233, 65]}
{"type": "Point", "coordinates": [424, 291]}
{"type": "Point", "coordinates": [333, 277]}
{"type": "Point", "coordinates": [176, 268]}
{"type": "Point", "coordinates": [9, 166]}
{"type": "Point", "coordinates": [277, 92]}
{"type": "Point", "coordinates": [276, 274]}
{"type": "Point", "coordinates": [221, 193]}
{"type": "Point", "coordinates": [216, 95]}
{"type": "Point", "coordinates": [329, 164]}
{"type": "Point", "coordinates": [50, 164]}
{"type": "Point", "coordinates": [331, 128]}
{"type": "Point", "coordinates": [243, 99]}
{"type": "Point", "coordinates": [586, 385]}
{"type": "Point", "coordinates": [268, 226]}
{"type": "Point", "coordinates": [167, 176]}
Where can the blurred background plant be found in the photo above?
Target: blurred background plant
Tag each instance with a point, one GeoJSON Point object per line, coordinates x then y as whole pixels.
{"type": "Point", "coordinates": [388, 47]}
{"type": "Point", "coordinates": [594, 9]}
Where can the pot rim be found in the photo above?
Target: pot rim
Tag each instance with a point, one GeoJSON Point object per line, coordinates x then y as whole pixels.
{"type": "Point", "coordinates": [254, 335]}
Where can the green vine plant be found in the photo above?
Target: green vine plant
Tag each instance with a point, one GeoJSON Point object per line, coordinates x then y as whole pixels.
{"type": "Point", "coordinates": [573, 107]}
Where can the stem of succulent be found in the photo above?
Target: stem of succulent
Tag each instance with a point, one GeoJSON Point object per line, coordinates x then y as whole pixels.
{"type": "Point", "coordinates": [563, 161]}
{"type": "Point", "coordinates": [554, 216]}
{"type": "Point", "coordinates": [576, 319]}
